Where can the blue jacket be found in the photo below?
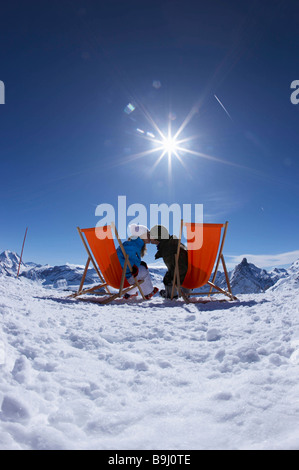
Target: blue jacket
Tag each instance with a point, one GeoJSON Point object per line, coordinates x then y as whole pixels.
{"type": "Point", "coordinates": [133, 249]}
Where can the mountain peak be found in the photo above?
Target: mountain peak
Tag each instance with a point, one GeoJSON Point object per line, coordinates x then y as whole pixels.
{"type": "Point", "coordinates": [294, 266]}
{"type": "Point", "coordinates": [9, 256]}
{"type": "Point", "coordinates": [290, 280]}
{"type": "Point", "coordinates": [9, 262]}
{"type": "Point", "coordinates": [248, 278]}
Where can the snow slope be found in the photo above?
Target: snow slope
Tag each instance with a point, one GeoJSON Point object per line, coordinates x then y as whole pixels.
{"type": "Point", "coordinates": [289, 283]}
{"type": "Point", "coordinates": [147, 375]}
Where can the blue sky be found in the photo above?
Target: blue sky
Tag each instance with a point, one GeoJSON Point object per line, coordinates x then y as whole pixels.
{"type": "Point", "coordinates": [70, 69]}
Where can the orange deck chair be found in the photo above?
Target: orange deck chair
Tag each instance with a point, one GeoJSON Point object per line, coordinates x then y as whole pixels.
{"type": "Point", "coordinates": [100, 247]}
{"type": "Point", "coordinates": [201, 260]}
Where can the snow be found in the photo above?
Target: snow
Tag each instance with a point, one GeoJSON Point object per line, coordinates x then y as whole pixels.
{"type": "Point", "coordinates": [290, 282]}
{"type": "Point", "coordinates": [147, 374]}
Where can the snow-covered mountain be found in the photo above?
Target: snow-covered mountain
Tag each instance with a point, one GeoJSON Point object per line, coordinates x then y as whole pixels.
{"type": "Point", "coordinates": [60, 276]}
{"type": "Point", "coordinates": [9, 263]}
{"type": "Point", "coordinates": [245, 278]}
{"type": "Point", "coordinates": [289, 282]}
{"type": "Point", "coordinates": [55, 276]}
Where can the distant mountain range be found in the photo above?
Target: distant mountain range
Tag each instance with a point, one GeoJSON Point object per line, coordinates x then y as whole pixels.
{"type": "Point", "coordinates": [54, 276]}
{"type": "Point", "coordinates": [245, 278]}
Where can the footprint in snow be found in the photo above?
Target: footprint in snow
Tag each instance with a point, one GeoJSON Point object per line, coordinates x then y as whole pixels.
{"type": "Point", "coordinates": [213, 334]}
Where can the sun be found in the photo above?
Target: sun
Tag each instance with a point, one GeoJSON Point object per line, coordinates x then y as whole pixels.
{"type": "Point", "coordinates": [170, 145]}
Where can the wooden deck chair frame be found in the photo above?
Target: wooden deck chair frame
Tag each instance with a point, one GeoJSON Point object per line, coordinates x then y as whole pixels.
{"type": "Point", "coordinates": [214, 289]}
{"type": "Point", "coordinates": [109, 295]}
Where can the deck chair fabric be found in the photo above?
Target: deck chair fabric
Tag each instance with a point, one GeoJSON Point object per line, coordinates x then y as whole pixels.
{"type": "Point", "coordinates": [101, 243]}
{"type": "Point", "coordinates": [204, 242]}
{"type": "Point", "coordinates": [101, 251]}
{"type": "Point", "coordinates": [202, 260]}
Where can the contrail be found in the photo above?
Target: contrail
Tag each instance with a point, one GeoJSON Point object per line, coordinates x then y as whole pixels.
{"type": "Point", "coordinates": [223, 107]}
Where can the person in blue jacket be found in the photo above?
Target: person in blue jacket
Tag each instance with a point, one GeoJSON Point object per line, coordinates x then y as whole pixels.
{"type": "Point", "coordinates": [135, 248]}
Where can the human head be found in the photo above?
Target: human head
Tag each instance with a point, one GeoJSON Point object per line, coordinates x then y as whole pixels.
{"type": "Point", "coordinates": [158, 233]}
{"type": "Point", "coordinates": [140, 231]}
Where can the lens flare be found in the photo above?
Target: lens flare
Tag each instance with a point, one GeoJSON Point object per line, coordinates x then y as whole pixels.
{"type": "Point", "coordinates": [169, 145]}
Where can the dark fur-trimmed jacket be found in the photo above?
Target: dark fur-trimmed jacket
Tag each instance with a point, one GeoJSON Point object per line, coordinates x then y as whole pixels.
{"type": "Point", "coordinates": [167, 250]}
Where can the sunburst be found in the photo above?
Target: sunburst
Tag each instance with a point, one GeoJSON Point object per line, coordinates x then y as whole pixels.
{"type": "Point", "coordinates": [168, 144]}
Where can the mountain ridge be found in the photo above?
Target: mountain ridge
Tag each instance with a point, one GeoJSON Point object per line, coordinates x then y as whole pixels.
{"type": "Point", "coordinates": [245, 278]}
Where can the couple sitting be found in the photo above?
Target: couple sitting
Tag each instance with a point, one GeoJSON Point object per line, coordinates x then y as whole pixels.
{"type": "Point", "coordinates": [135, 248]}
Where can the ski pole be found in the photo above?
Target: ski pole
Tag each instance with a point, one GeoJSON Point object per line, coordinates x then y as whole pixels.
{"type": "Point", "coordinates": [22, 252]}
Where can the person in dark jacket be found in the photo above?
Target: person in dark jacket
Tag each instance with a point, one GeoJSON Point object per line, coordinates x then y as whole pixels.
{"type": "Point", "coordinates": [167, 247]}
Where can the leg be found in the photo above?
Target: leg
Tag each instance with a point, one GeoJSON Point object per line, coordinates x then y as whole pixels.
{"type": "Point", "coordinates": [143, 275]}
{"type": "Point", "coordinates": [168, 283]}
{"type": "Point", "coordinates": [169, 290]}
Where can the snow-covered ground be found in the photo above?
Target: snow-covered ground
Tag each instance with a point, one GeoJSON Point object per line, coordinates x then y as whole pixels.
{"type": "Point", "coordinates": [147, 374]}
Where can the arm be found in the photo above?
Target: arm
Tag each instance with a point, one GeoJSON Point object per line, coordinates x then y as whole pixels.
{"type": "Point", "coordinates": [133, 249]}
